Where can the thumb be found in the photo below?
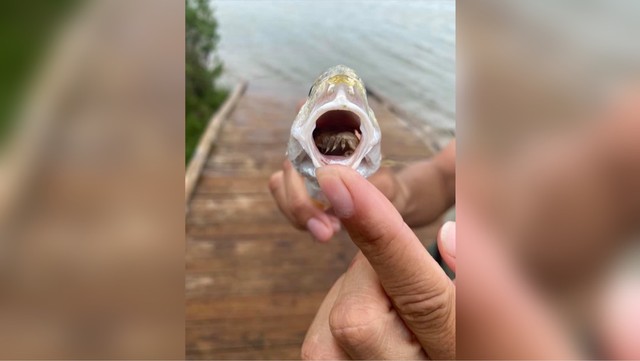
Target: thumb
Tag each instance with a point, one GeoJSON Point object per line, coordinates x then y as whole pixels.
{"type": "Point", "coordinates": [420, 290]}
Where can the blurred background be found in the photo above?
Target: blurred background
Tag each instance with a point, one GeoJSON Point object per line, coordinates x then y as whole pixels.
{"type": "Point", "coordinates": [548, 179]}
{"type": "Point", "coordinates": [91, 172]}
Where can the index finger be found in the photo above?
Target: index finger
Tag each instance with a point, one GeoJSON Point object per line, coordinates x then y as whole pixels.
{"type": "Point", "coordinates": [304, 212]}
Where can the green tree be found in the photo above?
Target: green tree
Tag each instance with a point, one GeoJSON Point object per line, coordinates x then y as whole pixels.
{"type": "Point", "coordinates": [202, 70]}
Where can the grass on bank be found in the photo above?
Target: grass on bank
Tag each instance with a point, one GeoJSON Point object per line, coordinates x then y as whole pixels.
{"type": "Point", "coordinates": [196, 122]}
{"type": "Point", "coordinates": [203, 68]}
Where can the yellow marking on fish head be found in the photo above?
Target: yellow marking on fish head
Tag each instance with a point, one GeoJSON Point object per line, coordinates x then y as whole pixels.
{"type": "Point", "coordinates": [341, 78]}
{"type": "Point", "coordinates": [350, 82]}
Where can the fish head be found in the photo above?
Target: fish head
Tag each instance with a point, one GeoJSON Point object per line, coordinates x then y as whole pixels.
{"type": "Point", "coordinates": [335, 126]}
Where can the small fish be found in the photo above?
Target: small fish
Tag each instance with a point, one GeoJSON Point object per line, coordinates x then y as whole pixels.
{"type": "Point", "coordinates": [335, 126]}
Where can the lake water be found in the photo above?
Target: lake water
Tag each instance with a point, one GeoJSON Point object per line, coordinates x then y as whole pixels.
{"type": "Point", "coordinates": [403, 49]}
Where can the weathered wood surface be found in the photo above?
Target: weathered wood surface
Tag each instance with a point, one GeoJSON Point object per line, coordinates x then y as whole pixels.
{"type": "Point", "coordinates": [253, 282]}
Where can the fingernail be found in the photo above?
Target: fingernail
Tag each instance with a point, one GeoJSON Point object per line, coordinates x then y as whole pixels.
{"type": "Point", "coordinates": [335, 191]}
{"type": "Point", "coordinates": [448, 237]}
{"type": "Point", "coordinates": [335, 223]}
{"type": "Point", "coordinates": [319, 230]}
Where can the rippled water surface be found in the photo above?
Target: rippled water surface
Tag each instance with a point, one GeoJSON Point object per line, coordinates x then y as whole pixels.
{"type": "Point", "coordinates": [403, 49]}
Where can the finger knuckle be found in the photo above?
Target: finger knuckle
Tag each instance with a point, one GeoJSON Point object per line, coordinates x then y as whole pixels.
{"type": "Point", "coordinates": [353, 323]}
{"type": "Point", "coordinates": [432, 309]}
{"type": "Point", "coordinates": [274, 182]}
{"type": "Point", "coordinates": [381, 241]}
{"type": "Point", "coordinates": [298, 206]}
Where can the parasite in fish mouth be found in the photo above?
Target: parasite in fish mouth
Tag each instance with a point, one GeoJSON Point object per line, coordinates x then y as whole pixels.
{"type": "Point", "coordinates": [338, 144]}
{"type": "Point", "coordinates": [337, 133]}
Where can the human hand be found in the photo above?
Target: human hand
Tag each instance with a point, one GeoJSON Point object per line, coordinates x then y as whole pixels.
{"type": "Point", "coordinates": [394, 301]}
{"type": "Point", "coordinates": [290, 193]}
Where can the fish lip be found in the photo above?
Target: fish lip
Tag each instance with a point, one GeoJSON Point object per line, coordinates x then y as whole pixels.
{"type": "Point", "coordinates": [366, 128]}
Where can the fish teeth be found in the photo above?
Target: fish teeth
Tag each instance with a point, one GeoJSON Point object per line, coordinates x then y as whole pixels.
{"type": "Point", "coordinates": [334, 142]}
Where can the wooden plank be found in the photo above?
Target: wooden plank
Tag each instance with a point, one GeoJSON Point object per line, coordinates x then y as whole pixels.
{"type": "Point", "coordinates": [204, 145]}
{"type": "Point", "coordinates": [220, 254]}
{"type": "Point", "coordinates": [257, 251]}
{"type": "Point", "coordinates": [252, 333]}
{"type": "Point", "coordinates": [275, 352]}
{"type": "Point", "coordinates": [241, 229]}
{"type": "Point", "coordinates": [211, 185]}
{"type": "Point", "coordinates": [241, 307]}
{"type": "Point", "coordinates": [257, 207]}
{"type": "Point", "coordinates": [265, 279]}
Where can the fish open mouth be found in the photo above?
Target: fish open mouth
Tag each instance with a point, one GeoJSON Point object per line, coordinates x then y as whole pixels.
{"type": "Point", "coordinates": [337, 133]}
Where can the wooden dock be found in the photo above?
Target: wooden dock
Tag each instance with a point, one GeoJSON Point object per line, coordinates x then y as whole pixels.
{"type": "Point", "coordinates": [253, 282]}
